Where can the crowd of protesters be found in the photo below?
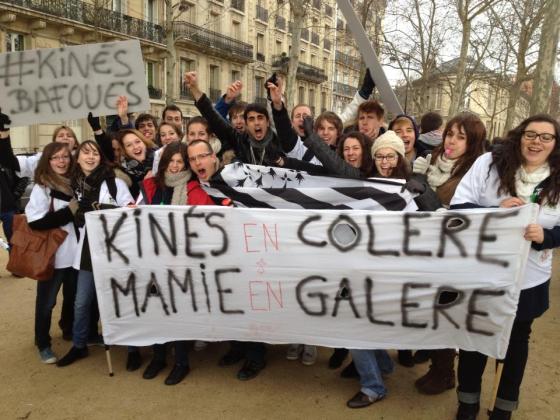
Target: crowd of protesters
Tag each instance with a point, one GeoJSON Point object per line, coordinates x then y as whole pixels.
{"type": "Point", "coordinates": [144, 161]}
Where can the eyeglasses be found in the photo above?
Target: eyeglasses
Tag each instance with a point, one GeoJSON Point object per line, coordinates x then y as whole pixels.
{"type": "Point", "coordinates": [544, 137]}
{"type": "Point", "coordinates": [59, 158]}
{"type": "Point", "coordinates": [388, 158]}
{"type": "Point", "coordinates": [202, 156]}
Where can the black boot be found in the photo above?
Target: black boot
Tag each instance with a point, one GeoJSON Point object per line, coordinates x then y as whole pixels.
{"type": "Point", "coordinates": [338, 356]}
{"type": "Point", "coordinates": [467, 411]}
{"type": "Point", "coordinates": [405, 358]}
{"type": "Point", "coordinates": [133, 361]}
{"type": "Point", "coordinates": [74, 354]}
{"type": "Point", "coordinates": [499, 414]}
{"type": "Point", "coordinates": [177, 374]}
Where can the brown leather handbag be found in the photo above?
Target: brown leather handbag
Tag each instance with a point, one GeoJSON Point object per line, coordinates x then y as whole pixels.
{"type": "Point", "coordinates": [32, 252]}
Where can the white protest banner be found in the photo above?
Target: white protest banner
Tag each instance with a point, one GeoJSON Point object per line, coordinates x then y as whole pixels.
{"type": "Point", "coordinates": [56, 84]}
{"type": "Point", "coordinates": [354, 279]}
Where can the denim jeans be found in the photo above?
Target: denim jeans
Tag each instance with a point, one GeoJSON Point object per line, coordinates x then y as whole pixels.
{"type": "Point", "coordinates": [85, 292]}
{"type": "Point", "coordinates": [46, 300]}
{"type": "Point", "coordinates": [371, 364]}
{"type": "Point", "coordinates": [7, 218]}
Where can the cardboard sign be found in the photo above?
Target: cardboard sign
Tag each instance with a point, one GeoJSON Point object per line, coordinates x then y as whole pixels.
{"type": "Point", "coordinates": [354, 278]}
{"type": "Point", "coordinates": [56, 84]}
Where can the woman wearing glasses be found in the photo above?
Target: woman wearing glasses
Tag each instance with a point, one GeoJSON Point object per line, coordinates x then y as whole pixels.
{"type": "Point", "coordinates": [525, 168]}
{"type": "Point", "coordinates": [463, 142]}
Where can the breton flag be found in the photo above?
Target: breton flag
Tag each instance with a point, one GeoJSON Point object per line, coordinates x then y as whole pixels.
{"type": "Point", "coordinates": [279, 188]}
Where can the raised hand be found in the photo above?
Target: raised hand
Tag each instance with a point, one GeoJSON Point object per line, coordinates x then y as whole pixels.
{"type": "Point", "coordinates": [233, 91]}
{"type": "Point", "coordinates": [191, 82]}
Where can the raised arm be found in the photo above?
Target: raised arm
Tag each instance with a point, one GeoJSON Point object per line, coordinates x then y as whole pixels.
{"type": "Point", "coordinates": [286, 133]}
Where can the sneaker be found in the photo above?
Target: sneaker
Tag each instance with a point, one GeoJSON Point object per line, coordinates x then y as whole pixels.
{"type": "Point", "coordinates": [47, 356]}
{"type": "Point", "coordinates": [74, 354]}
{"type": "Point", "coordinates": [361, 400]}
{"type": "Point", "coordinates": [294, 350]}
{"type": "Point", "coordinates": [309, 355]}
{"type": "Point", "coordinates": [200, 345]}
{"type": "Point", "coordinates": [96, 340]}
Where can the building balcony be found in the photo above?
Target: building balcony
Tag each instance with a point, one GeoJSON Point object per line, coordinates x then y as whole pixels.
{"type": "Point", "coordinates": [213, 43]}
{"type": "Point", "coordinates": [280, 23]}
{"type": "Point", "coordinates": [238, 5]}
{"type": "Point", "coordinates": [262, 14]}
{"type": "Point", "coordinates": [348, 60]}
{"type": "Point", "coordinates": [95, 17]}
{"type": "Point", "coordinates": [344, 89]}
{"type": "Point", "coordinates": [304, 72]}
{"type": "Point", "coordinates": [214, 94]}
{"type": "Point", "coordinates": [154, 92]}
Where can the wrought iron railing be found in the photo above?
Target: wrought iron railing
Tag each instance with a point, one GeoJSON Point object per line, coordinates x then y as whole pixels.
{"type": "Point", "coordinates": [347, 60]}
{"type": "Point", "coordinates": [88, 14]}
{"type": "Point", "coordinates": [261, 57]}
{"type": "Point", "coordinates": [344, 89]}
{"type": "Point", "coordinates": [186, 93]}
{"type": "Point", "coordinates": [154, 92]}
{"type": "Point", "coordinates": [260, 100]}
{"type": "Point", "coordinates": [209, 39]}
{"type": "Point", "coordinates": [304, 71]}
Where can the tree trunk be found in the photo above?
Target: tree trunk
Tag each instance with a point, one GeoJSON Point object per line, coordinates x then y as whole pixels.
{"type": "Point", "coordinates": [298, 11]}
{"type": "Point", "coordinates": [458, 91]}
{"type": "Point", "coordinates": [171, 54]}
{"type": "Point", "coordinates": [546, 62]}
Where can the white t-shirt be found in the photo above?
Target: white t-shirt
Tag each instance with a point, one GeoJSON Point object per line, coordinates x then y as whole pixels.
{"type": "Point", "coordinates": [37, 207]}
{"type": "Point", "coordinates": [479, 187]}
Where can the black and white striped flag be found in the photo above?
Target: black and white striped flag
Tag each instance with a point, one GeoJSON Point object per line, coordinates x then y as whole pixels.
{"type": "Point", "coordinates": [269, 187]}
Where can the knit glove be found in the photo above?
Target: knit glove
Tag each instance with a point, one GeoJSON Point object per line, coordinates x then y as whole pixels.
{"type": "Point", "coordinates": [73, 205]}
{"type": "Point", "coordinates": [420, 165]}
{"type": "Point", "coordinates": [367, 86]}
{"type": "Point", "coordinates": [94, 122]}
{"type": "Point", "coordinates": [4, 122]}
{"type": "Point", "coordinates": [308, 126]}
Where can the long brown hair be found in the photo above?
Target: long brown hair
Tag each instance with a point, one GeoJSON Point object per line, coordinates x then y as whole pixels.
{"type": "Point", "coordinates": [169, 151]}
{"type": "Point", "coordinates": [65, 127]}
{"type": "Point", "coordinates": [44, 174]}
{"type": "Point", "coordinates": [507, 159]}
{"type": "Point", "coordinates": [401, 171]}
{"type": "Point", "coordinates": [475, 131]}
{"type": "Point", "coordinates": [122, 133]}
{"type": "Point", "coordinates": [367, 162]}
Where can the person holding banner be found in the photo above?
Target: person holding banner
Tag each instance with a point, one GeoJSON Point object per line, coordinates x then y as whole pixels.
{"type": "Point", "coordinates": [169, 186]}
{"type": "Point", "coordinates": [525, 168]}
{"type": "Point", "coordinates": [464, 137]}
{"type": "Point", "coordinates": [96, 188]}
{"type": "Point", "coordinates": [52, 205]}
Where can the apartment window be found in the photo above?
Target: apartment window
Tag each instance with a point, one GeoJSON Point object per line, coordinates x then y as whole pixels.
{"type": "Point", "coordinates": [213, 24]}
{"type": "Point", "coordinates": [117, 6]}
{"type": "Point", "coordinates": [150, 10]}
{"type": "Point", "coordinates": [14, 42]}
{"type": "Point", "coordinates": [313, 60]}
{"type": "Point", "coordinates": [323, 101]}
{"type": "Point", "coordinates": [185, 66]}
{"type": "Point", "coordinates": [259, 90]}
{"type": "Point", "coordinates": [260, 47]}
{"type": "Point", "coordinates": [301, 95]}
{"type": "Point", "coordinates": [236, 29]}
{"type": "Point", "coordinates": [302, 55]}
{"type": "Point", "coordinates": [325, 63]}
{"type": "Point", "coordinates": [278, 47]}
{"type": "Point", "coordinates": [190, 13]}
{"type": "Point", "coordinates": [235, 75]}
{"type": "Point", "coordinates": [312, 100]}
{"type": "Point", "coordinates": [150, 74]}
{"type": "Point", "coordinates": [214, 80]}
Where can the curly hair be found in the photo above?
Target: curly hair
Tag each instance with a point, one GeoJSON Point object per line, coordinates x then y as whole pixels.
{"type": "Point", "coordinates": [507, 159]}
{"type": "Point", "coordinates": [367, 161]}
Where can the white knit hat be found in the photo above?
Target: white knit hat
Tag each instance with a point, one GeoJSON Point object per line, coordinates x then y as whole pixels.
{"type": "Point", "coordinates": [388, 139]}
